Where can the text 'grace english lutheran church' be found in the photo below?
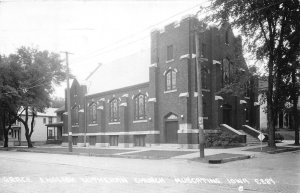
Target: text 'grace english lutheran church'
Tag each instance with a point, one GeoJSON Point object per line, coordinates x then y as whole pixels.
{"type": "Point", "coordinates": [150, 98]}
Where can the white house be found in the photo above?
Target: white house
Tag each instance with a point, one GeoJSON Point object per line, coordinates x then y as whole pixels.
{"type": "Point", "coordinates": [39, 135]}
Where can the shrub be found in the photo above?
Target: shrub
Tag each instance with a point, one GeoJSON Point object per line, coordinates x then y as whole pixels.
{"type": "Point", "coordinates": [221, 139]}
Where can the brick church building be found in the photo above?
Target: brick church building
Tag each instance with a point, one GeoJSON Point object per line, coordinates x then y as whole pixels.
{"type": "Point", "coordinates": [155, 100]}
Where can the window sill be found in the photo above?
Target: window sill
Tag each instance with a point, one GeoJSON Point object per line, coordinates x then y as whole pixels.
{"type": "Point", "coordinates": [93, 124]}
{"type": "Point", "coordinates": [140, 121]}
{"type": "Point", "coordinates": [168, 61]}
{"type": "Point", "coordinates": [114, 123]}
{"type": "Point", "coordinates": [169, 91]}
{"type": "Point", "coordinates": [205, 90]}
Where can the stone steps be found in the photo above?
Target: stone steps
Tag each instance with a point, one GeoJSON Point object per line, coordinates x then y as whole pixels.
{"type": "Point", "coordinates": [250, 139]}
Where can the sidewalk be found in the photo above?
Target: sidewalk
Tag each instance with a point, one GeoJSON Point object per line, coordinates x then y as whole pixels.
{"type": "Point", "coordinates": [155, 152]}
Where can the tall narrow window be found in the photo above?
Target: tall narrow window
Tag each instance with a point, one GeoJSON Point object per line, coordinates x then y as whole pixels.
{"type": "Point", "coordinates": [50, 120]}
{"type": "Point", "coordinates": [247, 89]}
{"type": "Point", "coordinates": [140, 107]}
{"type": "Point", "coordinates": [204, 78]}
{"type": "Point", "coordinates": [75, 119]}
{"type": "Point", "coordinates": [204, 106]}
{"type": "Point", "coordinates": [170, 52]}
{"type": "Point", "coordinates": [203, 51]}
{"type": "Point", "coordinates": [226, 37]}
{"type": "Point", "coordinates": [114, 110]}
{"type": "Point", "coordinates": [226, 70]}
{"type": "Point", "coordinates": [247, 115]}
{"type": "Point", "coordinates": [170, 80]}
{"type": "Point", "coordinates": [93, 113]}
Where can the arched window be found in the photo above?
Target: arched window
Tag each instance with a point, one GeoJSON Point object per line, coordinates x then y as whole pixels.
{"type": "Point", "coordinates": [75, 117]}
{"type": "Point", "coordinates": [93, 113]}
{"type": "Point", "coordinates": [227, 37]}
{"type": "Point", "coordinates": [226, 70]}
{"type": "Point", "coordinates": [170, 80]}
{"type": "Point", "coordinates": [247, 115]}
{"type": "Point", "coordinates": [140, 107]}
{"type": "Point", "coordinates": [114, 110]}
{"type": "Point", "coordinates": [247, 89]}
{"type": "Point", "coordinates": [204, 78]}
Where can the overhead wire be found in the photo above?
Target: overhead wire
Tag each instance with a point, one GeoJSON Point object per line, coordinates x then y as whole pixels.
{"type": "Point", "coordinates": [101, 50]}
{"type": "Point", "coordinates": [42, 84]}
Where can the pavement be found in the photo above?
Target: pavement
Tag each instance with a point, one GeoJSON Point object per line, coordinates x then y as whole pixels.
{"type": "Point", "coordinates": [61, 173]}
{"type": "Point", "coordinates": [212, 155]}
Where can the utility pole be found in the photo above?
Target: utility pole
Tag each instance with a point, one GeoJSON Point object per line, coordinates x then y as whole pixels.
{"type": "Point", "coordinates": [199, 89]}
{"type": "Point", "coordinates": [69, 103]}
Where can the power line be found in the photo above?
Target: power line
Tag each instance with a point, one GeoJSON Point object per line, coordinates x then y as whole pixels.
{"type": "Point", "coordinates": [113, 48]}
{"type": "Point", "coordinates": [147, 28]}
{"type": "Point", "coordinates": [151, 26]}
{"type": "Point", "coordinates": [134, 41]}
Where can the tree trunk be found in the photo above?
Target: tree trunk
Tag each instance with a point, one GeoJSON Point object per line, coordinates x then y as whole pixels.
{"type": "Point", "coordinates": [5, 137]}
{"type": "Point", "coordinates": [296, 123]}
{"type": "Point", "coordinates": [28, 137]}
{"type": "Point", "coordinates": [5, 131]}
{"type": "Point", "coordinates": [29, 143]}
{"type": "Point", "coordinates": [27, 133]}
{"type": "Point", "coordinates": [294, 110]}
{"type": "Point", "coordinates": [270, 111]}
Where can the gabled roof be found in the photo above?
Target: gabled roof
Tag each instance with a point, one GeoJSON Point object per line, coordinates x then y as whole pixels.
{"type": "Point", "coordinates": [127, 71]}
{"type": "Point", "coordinates": [49, 112]}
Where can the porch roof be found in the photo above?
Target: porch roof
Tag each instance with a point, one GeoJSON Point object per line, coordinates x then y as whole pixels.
{"type": "Point", "coordinates": [55, 124]}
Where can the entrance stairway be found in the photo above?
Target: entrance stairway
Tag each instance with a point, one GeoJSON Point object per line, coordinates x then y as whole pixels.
{"type": "Point", "coordinates": [250, 140]}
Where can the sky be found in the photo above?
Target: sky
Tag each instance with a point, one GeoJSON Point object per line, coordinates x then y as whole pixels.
{"type": "Point", "coordinates": [92, 31]}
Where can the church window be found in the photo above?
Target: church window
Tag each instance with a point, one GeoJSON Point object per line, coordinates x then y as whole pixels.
{"type": "Point", "coordinates": [170, 80]}
{"type": "Point", "coordinates": [114, 110]}
{"type": "Point", "coordinates": [227, 37]}
{"type": "Point", "coordinates": [140, 107]}
{"type": "Point", "coordinates": [170, 52]}
{"type": "Point", "coordinates": [204, 78]}
{"type": "Point", "coordinates": [226, 70]}
{"type": "Point", "coordinates": [203, 51]}
{"type": "Point", "coordinates": [93, 113]}
{"type": "Point", "coordinates": [75, 117]}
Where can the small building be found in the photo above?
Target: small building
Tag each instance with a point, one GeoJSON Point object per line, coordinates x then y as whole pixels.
{"type": "Point", "coordinates": [54, 129]}
{"type": "Point", "coordinates": [39, 135]}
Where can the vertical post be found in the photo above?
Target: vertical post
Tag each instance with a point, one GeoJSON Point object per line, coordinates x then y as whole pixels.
{"type": "Point", "coordinates": [69, 105]}
{"type": "Point", "coordinates": [85, 121]}
{"type": "Point", "coordinates": [199, 89]}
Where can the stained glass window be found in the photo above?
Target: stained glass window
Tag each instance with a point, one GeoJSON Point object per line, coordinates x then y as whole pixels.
{"type": "Point", "coordinates": [114, 110]}
{"type": "Point", "coordinates": [204, 78]}
{"type": "Point", "coordinates": [226, 70]}
{"type": "Point", "coordinates": [170, 80]}
{"type": "Point", "coordinates": [93, 113]}
{"type": "Point", "coordinates": [75, 117]}
{"type": "Point", "coordinates": [140, 107]}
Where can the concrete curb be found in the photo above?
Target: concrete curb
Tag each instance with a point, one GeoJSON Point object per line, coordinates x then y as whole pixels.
{"type": "Point", "coordinates": [224, 160]}
{"type": "Point", "coordinates": [284, 150]}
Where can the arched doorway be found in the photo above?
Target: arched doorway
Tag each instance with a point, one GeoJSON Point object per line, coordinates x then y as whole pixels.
{"type": "Point", "coordinates": [227, 114]}
{"type": "Point", "coordinates": [171, 128]}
